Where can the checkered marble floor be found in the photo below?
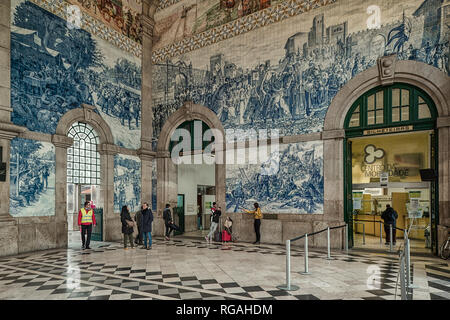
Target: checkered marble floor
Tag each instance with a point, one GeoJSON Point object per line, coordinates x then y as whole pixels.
{"type": "Point", "coordinates": [190, 269]}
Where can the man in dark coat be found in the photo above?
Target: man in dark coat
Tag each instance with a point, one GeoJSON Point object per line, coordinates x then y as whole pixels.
{"type": "Point", "coordinates": [127, 227]}
{"type": "Point", "coordinates": [389, 216]}
{"type": "Point", "coordinates": [138, 219]}
{"type": "Point", "coordinates": [146, 225]}
{"type": "Point", "coordinates": [167, 216]}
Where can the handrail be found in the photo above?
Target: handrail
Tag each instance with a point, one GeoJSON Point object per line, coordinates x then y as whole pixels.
{"type": "Point", "coordinates": [380, 222]}
{"type": "Point", "coordinates": [314, 233]}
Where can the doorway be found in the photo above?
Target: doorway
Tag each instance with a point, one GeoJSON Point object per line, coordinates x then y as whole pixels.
{"type": "Point", "coordinates": [83, 180]}
{"type": "Point", "coordinates": [385, 170]}
{"type": "Point", "coordinates": [390, 139]}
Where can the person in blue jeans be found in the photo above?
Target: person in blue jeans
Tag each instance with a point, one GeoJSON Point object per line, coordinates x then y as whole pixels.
{"type": "Point", "coordinates": [146, 225]}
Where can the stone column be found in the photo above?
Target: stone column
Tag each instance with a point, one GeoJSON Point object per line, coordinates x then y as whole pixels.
{"type": "Point", "coordinates": [148, 24]}
{"type": "Point", "coordinates": [167, 187]}
{"type": "Point", "coordinates": [146, 157]}
{"type": "Point", "coordinates": [146, 153]}
{"type": "Point", "coordinates": [8, 225]}
{"type": "Point", "coordinates": [443, 125]}
{"type": "Point", "coordinates": [112, 230]}
{"type": "Point", "coordinates": [61, 144]}
{"type": "Point", "coordinates": [333, 172]}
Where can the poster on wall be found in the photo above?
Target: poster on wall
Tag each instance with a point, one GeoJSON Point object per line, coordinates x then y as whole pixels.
{"type": "Point", "coordinates": [32, 178]}
{"type": "Point", "coordinates": [414, 208]}
{"type": "Point", "coordinates": [357, 199]}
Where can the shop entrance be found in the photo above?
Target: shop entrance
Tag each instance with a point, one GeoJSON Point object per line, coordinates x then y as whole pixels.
{"type": "Point", "coordinates": [390, 150]}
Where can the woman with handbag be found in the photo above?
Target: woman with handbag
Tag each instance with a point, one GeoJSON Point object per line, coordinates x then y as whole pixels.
{"type": "Point", "coordinates": [127, 227]}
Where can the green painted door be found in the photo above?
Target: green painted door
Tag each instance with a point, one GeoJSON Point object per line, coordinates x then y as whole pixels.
{"type": "Point", "coordinates": [178, 211]}
{"type": "Point", "coordinates": [97, 231]}
{"type": "Point", "coordinates": [348, 200]}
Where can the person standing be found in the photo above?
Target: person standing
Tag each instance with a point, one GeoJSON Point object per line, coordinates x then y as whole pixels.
{"type": "Point", "coordinates": [146, 225]}
{"type": "Point", "coordinates": [138, 219]}
{"type": "Point", "coordinates": [127, 227]}
{"type": "Point", "coordinates": [257, 224]}
{"type": "Point", "coordinates": [214, 222]}
{"type": "Point", "coordinates": [168, 222]}
{"type": "Point", "coordinates": [390, 217]}
{"type": "Point", "coordinates": [199, 218]}
{"type": "Point", "coordinates": [86, 218]}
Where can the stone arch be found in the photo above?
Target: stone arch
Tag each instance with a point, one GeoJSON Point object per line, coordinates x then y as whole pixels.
{"type": "Point", "coordinates": [428, 78]}
{"type": "Point", "coordinates": [167, 183]}
{"type": "Point", "coordinates": [189, 111]}
{"type": "Point", "coordinates": [107, 150]}
{"type": "Point", "coordinates": [86, 114]}
{"type": "Point", "coordinates": [389, 70]}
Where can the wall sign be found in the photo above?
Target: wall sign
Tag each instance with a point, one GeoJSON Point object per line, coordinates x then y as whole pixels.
{"type": "Point", "coordinates": [387, 130]}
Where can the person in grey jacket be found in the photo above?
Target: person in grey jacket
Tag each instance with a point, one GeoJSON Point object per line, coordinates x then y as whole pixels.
{"type": "Point", "coordinates": [146, 226]}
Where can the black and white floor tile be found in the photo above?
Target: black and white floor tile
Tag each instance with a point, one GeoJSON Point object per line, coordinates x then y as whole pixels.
{"type": "Point", "coordinates": [190, 269]}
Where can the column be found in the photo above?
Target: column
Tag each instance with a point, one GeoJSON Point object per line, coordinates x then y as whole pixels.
{"type": "Point", "coordinates": [8, 225]}
{"type": "Point", "coordinates": [443, 125]}
{"type": "Point", "coordinates": [333, 197]}
{"type": "Point", "coordinates": [146, 153]}
{"type": "Point", "coordinates": [166, 188]}
{"type": "Point", "coordinates": [112, 229]}
{"type": "Point", "coordinates": [61, 144]}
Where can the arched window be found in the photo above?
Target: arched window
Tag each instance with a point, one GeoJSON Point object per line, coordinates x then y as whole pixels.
{"type": "Point", "coordinates": [391, 106]}
{"type": "Point", "coordinates": [83, 160]}
{"type": "Point", "coordinates": [189, 126]}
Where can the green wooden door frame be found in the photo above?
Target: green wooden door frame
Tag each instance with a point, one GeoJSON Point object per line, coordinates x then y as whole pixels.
{"type": "Point", "coordinates": [416, 125]}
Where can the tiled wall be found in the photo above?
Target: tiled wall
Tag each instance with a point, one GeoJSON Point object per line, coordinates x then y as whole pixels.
{"type": "Point", "coordinates": [280, 68]}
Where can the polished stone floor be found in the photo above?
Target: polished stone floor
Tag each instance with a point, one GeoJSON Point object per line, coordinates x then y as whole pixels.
{"type": "Point", "coordinates": [192, 269]}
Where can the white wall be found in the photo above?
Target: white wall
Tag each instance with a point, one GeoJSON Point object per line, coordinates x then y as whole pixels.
{"type": "Point", "coordinates": [189, 176]}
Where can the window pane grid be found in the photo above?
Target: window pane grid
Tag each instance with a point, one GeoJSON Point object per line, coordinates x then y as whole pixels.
{"type": "Point", "coordinates": [79, 168]}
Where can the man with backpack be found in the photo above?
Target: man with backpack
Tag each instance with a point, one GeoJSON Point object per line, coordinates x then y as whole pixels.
{"type": "Point", "coordinates": [390, 217]}
{"type": "Point", "coordinates": [167, 217]}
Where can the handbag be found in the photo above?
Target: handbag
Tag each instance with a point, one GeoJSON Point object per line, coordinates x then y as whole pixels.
{"type": "Point", "coordinates": [130, 223]}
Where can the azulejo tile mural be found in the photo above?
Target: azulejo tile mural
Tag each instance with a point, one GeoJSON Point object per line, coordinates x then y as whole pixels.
{"type": "Point", "coordinates": [124, 16]}
{"type": "Point", "coordinates": [286, 77]}
{"type": "Point", "coordinates": [197, 25]}
{"type": "Point", "coordinates": [296, 187]}
{"type": "Point", "coordinates": [93, 25]}
{"type": "Point", "coordinates": [32, 178]}
{"type": "Point", "coordinates": [127, 182]}
{"type": "Point", "coordinates": [55, 69]}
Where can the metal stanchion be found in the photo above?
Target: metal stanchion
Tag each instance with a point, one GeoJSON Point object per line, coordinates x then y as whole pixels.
{"type": "Point", "coordinates": [402, 278]}
{"type": "Point", "coordinates": [408, 264]}
{"type": "Point", "coordinates": [328, 245]}
{"type": "Point", "coordinates": [390, 238]}
{"type": "Point", "coordinates": [364, 233]}
{"type": "Point", "coordinates": [306, 256]}
{"type": "Point", "coordinates": [381, 233]}
{"type": "Point", "coordinates": [288, 286]}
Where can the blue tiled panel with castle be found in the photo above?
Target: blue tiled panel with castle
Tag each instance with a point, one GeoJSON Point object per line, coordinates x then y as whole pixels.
{"type": "Point", "coordinates": [55, 69]}
{"type": "Point", "coordinates": [285, 76]}
{"type": "Point", "coordinates": [127, 183]}
{"type": "Point", "coordinates": [32, 178]}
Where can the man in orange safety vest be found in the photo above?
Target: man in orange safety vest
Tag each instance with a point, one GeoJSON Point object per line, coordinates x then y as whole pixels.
{"type": "Point", "coordinates": [86, 219]}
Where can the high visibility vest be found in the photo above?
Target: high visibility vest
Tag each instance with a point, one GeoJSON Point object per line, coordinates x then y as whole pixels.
{"type": "Point", "coordinates": [86, 216]}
